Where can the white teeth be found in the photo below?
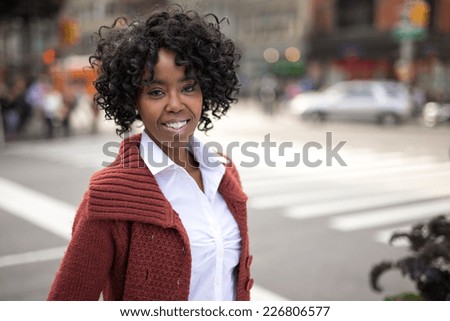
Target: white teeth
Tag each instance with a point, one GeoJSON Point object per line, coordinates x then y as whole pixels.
{"type": "Point", "coordinates": [177, 125]}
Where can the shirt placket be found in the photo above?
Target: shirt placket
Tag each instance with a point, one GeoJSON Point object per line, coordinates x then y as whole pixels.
{"type": "Point", "coordinates": [211, 185]}
{"type": "Point", "coordinates": [218, 277]}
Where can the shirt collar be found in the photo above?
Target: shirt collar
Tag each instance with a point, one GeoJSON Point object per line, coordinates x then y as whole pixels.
{"type": "Point", "coordinates": [153, 156]}
{"type": "Point", "coordinates": [206, 155]}
{"type": "Point", "coordinates": [157, 161]}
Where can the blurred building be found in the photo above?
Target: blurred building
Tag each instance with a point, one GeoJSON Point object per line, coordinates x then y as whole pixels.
{"type": "Point", "coordinates": [269, 34]}
{"type": "Point", "coordinates": [81, 18]}
{"type": "Point", "coordinates": [27, 29]}
{"type": "Point", "coordinates": [331, 40]}
{"type": "Point", "coordinates": [35, 33]}
{"type": "Point", "coordinates": [266, 29]}
{"type": "Point", "coordinates": [325, 40]}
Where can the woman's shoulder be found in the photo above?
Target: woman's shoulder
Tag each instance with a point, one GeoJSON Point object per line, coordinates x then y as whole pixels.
{"type": "Point", "coordinates": [119, 176]}
{"type": "Point", "coordinates": [127, 163]}
{"type": "Point", "coordinates": [230, 166]}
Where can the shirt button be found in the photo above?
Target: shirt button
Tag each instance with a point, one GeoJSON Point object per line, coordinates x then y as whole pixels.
{"type": "Point", "coordinates": [249, 285]}
{"type": "Point", "coordinates": [249, 261]}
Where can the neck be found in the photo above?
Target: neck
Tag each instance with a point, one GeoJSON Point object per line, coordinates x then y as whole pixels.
{"type": "Point", "coordinates": [178, 153]}
{"type": "Point", "coordinates": [180, 156]}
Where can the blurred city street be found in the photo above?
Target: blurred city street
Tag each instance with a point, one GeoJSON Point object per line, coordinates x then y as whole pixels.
{"type": "Point", "coordinates": [315, 231]}
{"type": "Point", "coordinates": [324, 195]}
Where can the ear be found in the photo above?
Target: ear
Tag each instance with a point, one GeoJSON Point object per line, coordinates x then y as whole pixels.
{"type": "Point", "coordinates": [138, 116]}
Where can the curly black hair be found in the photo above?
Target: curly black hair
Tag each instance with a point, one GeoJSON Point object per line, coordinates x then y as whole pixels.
{"type": "Point", "coordinates": [129, 48]}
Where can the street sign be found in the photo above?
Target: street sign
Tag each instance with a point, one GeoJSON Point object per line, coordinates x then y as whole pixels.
{"type": "Point", "coordinates": [409, 32]}
{"type": "Point", "coordinates": [413, 21]}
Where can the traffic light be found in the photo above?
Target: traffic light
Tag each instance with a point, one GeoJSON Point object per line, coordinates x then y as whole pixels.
{"type": "Point", "coordinates": [419, 13]}
{"type": "Point", "coordinates": [49, 56]}
{"type": "Point", "coordinates": [69, 31]}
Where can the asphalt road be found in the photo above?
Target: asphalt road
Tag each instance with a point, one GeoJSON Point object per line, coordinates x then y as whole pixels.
{"type": "Point", "coordinates": [316, 229]}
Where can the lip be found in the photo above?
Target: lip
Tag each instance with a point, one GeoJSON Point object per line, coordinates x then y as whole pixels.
{"type": "Point", "coordinates": [174, 121]}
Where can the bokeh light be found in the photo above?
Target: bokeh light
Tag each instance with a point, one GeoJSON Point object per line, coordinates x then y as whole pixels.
{"type": "Point", "coordinates": [271, 55]}
{"type": "Point", "coordinates": [292, 54]}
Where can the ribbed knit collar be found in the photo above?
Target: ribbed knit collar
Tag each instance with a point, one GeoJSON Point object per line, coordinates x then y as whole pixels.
{"type": "Point", "coordinates": [127, 190]}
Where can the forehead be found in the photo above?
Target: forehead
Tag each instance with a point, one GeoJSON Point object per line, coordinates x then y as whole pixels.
{"type": "Point", "coordinates": [165, 67]}
{"type": "Point", "coordinates": [166, 59]}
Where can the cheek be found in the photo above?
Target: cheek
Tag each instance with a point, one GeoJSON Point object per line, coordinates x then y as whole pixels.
{"type": "Point", "coordinates": [199, 107]}
{"type": "Point", "coordinates": [198, 104]}
{"type": "Point", "coordinates": [147, 112]}
{"type": "Point", "coordinates": [149, 117]}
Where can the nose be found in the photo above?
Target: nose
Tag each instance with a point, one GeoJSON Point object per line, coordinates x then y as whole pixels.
{"type": "Point", "coordinates": [174, 103]}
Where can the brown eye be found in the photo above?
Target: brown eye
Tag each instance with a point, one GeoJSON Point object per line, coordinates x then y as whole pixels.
{"type": "Point", "coordinates": [155, 93]}
{"type": "Point", "coordinates": [189, 88]}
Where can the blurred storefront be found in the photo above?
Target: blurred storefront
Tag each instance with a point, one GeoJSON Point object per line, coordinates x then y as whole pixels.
{"type": "Point", "coordinates": [368, 39]}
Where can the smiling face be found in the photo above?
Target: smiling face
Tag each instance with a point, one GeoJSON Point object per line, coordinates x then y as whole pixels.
{"type": "Point", "coordinates": [170, 105]}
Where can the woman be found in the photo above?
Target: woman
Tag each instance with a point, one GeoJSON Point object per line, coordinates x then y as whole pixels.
{"type": "Point", "coordinates": [167, 219]}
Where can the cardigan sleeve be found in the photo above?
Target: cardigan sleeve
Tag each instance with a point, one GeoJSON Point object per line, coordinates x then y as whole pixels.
{"type": "Point", "coordinates": [86, 264]}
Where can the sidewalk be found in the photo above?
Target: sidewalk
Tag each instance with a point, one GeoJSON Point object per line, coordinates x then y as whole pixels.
{"type": "Point", "coordinates": [82, 123]}
{"type": "Point", "coordinates": [244, 117]}
{"type": "Point", "coordinates": [247, 117]}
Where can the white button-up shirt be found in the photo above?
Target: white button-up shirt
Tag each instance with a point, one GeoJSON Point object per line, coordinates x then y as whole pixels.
{"type": "Point", "coordinates": [213, 233]}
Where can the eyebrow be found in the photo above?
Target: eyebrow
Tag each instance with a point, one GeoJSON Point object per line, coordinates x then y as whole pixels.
{"type": "Point", "coordinates": [160, 82]}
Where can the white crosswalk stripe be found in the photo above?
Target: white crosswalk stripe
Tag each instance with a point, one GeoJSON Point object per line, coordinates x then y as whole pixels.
{"type": "Point", "coordinates": [380, 192]}
{"type": "Point", "coordinates": [364, 203]}
{"type": "Point", "coordinates": [382, 217]}
{"type": "Point", "coordinates": [384, 235]}
{"type": "Point", "coordinates": [80, 152]}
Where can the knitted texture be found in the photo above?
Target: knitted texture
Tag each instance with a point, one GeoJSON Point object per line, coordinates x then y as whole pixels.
{"type": "Point", "coordinates": [129, 243]}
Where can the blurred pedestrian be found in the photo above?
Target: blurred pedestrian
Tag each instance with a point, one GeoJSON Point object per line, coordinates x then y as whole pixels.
{"type": "Point", "coordinates": [52, 107]}
{"type": "Point", "coordinates": [71, 96]}
{"type": "Point", "coordinates": [4, 109]}
{"type": "Point", "coordinates": [268, 93]}
{"type": "Point", "coordinates": [15, 110]}
{"type": "Point", "coordinates": [35, 97]}
{"type": "Point", "coordinates": [418, 100]}
{"type": "Point", "coordinates": [19, 103]}
{"type": "Point", "coordinates": [167, 219]}
{"type": "Point", "coordinates": [35, 92]}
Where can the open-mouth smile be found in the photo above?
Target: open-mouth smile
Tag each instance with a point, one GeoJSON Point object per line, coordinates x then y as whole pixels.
{"type": "Point", "coordinates": [176, 125]}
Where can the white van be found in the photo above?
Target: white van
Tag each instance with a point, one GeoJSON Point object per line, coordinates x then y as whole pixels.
{"type": "Point", "coordinates": [386, 102]}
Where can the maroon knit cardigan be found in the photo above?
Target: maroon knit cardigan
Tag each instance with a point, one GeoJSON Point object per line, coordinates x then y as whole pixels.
{"type": "Point", "coordinates": [129, 243]}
